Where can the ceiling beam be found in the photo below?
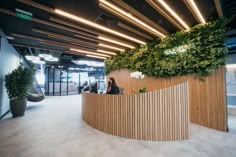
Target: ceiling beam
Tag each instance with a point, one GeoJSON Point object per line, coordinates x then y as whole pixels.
{"type": "Point", "coordinates": [219, 8]}
{"type": "Point", "coordinates": [34, 19]}
{"type": "Point", "coordinates": [123, 17]}
{"type": "Point", "coordinates": [79, 34]}
{"type": "Point", "coordinates": [68, 48]}
{"type": "Point", "coordinates": [140, 15]}
{"type": "Point", "coordinates": [35, 47]}
{"type": "Point", "coordinates": [75, 26]}
{"type": "Point", "coordinates": [37, 5]}
{"type": "Point", "coordinates": [83, 21]}
{"type": "Point", "coordinates": [124, 26]}
{"type": "Point", "coordinates": [164, 14]}
{"type": "Point", "coordinates": [55, 43]}
{"type": "Point", "coordinates": [64, 37]}
{"type": "Point", "coordinates": [192, 6]}
{"type": "Point", "coordinates": [129, 17]}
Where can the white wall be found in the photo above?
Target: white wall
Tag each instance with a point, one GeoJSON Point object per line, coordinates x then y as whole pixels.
{"type": "Point", "coordinates": [9, 60]}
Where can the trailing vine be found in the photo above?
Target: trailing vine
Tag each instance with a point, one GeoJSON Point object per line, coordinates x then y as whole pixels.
{"type": "Point", "coordinates": [205, 53]}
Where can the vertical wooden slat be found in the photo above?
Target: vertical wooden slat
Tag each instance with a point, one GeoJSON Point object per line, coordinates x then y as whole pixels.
{"type": "Point", "coordinates": [207, 104]}
{"type": "Point", "coordinates": [156, 115]}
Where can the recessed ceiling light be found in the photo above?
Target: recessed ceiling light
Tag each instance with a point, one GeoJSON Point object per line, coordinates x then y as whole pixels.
{"type": "Point", "coordinates": [51, 59]}
{"type": "Point", "coordinates": [97, 26]}
{"type": "Point", "coordinates": [45, 56]}
{"type": "Point", "coordinates": [38, 62]}
{"type": "Point", "coordinates": [89, 63]}
{"type": "Point", "coordinates": [30, 58]}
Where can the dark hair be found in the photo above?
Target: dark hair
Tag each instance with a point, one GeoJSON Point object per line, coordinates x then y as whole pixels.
{"type": "Point", "coordinates": [113, 81]}
{"type": "Point", "coordinates": [109, 82]}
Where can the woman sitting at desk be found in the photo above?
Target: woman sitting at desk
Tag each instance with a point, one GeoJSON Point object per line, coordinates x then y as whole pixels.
{"type": "Point", "coordinates": [112, 87]}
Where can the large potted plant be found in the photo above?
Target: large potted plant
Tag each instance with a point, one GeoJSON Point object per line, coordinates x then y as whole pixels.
{"type": "Point", "coordinates": [18, 83]}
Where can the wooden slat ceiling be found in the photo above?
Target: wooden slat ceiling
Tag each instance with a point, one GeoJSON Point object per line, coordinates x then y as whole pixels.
{"type": "Point", "coordinates": [51, 31]}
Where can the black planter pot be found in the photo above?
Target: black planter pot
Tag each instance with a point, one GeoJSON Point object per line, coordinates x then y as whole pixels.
{"type": "Point", "coordinates": [18, 107]}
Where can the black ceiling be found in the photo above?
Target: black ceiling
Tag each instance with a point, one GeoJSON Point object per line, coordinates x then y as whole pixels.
{"type": "Point", "coordinates": [90, 10]}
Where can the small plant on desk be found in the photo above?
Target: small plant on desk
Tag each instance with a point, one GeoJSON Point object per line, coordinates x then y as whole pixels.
{"type": "Point", "coordinates": [138, 75]}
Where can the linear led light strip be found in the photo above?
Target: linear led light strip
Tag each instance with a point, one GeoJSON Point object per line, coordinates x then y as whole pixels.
{"type": "Point", "coordinates": [90, 46]}
{"type": "Point", "coordinates": [66, 46]}
{"type": "Point", "coordinates": [155, 6]}
{"type": "Point", "coordinates": [195, 9]}
{"type": "Point", "coordinates": [86, 44]}
{"type": "Point", "coordinates": [88, 52]}
{"type": "Point", "coordinates": [112, 11]}
{"type": "Point", "coordinates": [97, 26]}
{"type": "Point", "coordinates": [60, 12]}
{"type": "Point", "coordinates": [41, 40]}
{"type": "Point", "coordinates": [107, 52]}
{"type": "Point", "coordinates": [130, 16]}
{"type": "Point", "coordinates": [107, 40]}
{"type": "Point", "coordinates": [115, 42]}
{"type": "Point", "coordinates": [173, 13]}
{"type": "Point", "coordinates": [69, 29]}
{"type": "Point", "coordinates": [66, 38]}
{"type": "Point", "coordinates": [98, 50]}
{"type": "Point", "coordinates": [96, 57]}
{"type": "Point", "coordinates": [111, 47]}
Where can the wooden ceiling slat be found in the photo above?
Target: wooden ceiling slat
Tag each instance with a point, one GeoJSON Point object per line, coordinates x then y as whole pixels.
{"type": "Point", "coordinates": [122, 25]}
{"type": "Point", "coordinates": [52, 10]}
{"type": "Point", "coordinates": [191, 10]}
{"type": "Point", "coordinates": [140, 16]}
{"type": "Point", "coordinates": [78, 33]}
{"type": "Point", "coordinates": [163, 13]}
{"type": "Point", "coordinates": [55, 43]}
{"type": "Point", "coordinates": [73, 25]}
{"type": "Point", "coordinates": [37, 5]}
{"type": "Point", "coordinates": [219, 8]}
{"type": "Point", "coordinates": [35, 47]}
{"type": "Point", "coordinates": [63, 37]}
{"type": "Point", "coordinates": [125, 18]}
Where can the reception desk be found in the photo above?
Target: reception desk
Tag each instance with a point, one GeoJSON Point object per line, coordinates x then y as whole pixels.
{"type": "Point", "coordinates": [161, 115]}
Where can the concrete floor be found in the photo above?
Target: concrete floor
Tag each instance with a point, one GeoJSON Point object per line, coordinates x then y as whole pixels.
{"type": "Point", "coordinates": [232, 118]}
{"type": "Point", "coordinates": [54, 128]}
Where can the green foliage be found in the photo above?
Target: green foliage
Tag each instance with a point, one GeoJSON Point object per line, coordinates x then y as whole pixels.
{"type": "Point", "coordinates": [143, 90]}
{"type": "Point", "coordinates": [207, 53]}
{"type": "Point", "coordinates": [18, 82]}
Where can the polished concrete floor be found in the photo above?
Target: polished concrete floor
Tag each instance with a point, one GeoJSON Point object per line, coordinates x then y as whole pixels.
{"type": "Point", "coordinates": [232, 119]}
{"type": "Point", "coordinates": [54, 128]}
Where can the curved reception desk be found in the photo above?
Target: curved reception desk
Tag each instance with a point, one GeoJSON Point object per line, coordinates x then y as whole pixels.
{"type": "Point", "coordinates": [160, 115]}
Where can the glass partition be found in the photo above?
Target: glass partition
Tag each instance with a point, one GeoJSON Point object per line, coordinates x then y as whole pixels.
{"type": "Point", "coordinates": [60, 81]}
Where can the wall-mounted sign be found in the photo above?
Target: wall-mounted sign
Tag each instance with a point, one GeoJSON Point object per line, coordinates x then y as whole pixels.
{"type": "Point", "coordinates": [179, 49]}
{"type": "Point", "coordinates": [23, 14]}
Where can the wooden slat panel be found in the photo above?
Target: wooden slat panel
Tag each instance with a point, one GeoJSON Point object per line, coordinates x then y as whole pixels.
{"type": "Point", "coordinates": [156, 115]}
{"type": "Point", "coordinates": [207, 105]}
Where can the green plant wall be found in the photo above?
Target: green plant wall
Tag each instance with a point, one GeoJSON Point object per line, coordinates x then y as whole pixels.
{"type": "Point", "coordinates": [205, 54]}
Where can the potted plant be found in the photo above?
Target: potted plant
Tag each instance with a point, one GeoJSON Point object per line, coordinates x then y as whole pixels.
{"type": "Point", "coordinates": [17, 84]}
{"type": "Point", "coordinates": [137, 75]}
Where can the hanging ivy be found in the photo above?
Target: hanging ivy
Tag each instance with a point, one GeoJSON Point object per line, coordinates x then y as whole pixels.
{"type": "Point", "coordinates": [203, 47]}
